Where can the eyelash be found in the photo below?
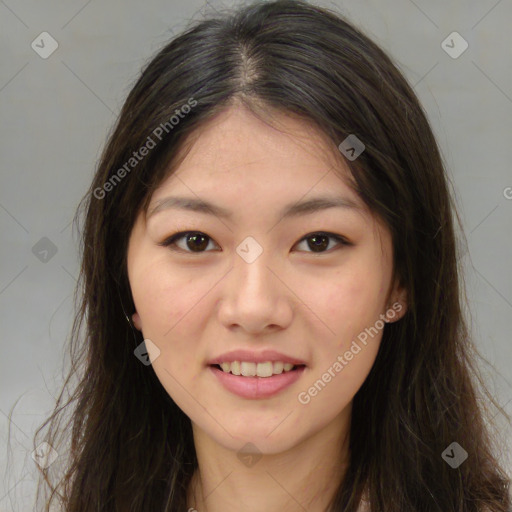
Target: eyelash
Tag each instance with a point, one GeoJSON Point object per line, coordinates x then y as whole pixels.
{"type": "Point", "coordinates": [170, 241]}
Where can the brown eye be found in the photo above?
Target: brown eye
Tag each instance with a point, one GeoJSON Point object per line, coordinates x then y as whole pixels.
{"type": "Point", "coordinates": [195, 241]}
{"type": "Point", "coordinates": [318, 242]}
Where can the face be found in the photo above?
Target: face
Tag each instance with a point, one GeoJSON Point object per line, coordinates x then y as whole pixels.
{"type": "Point", "coordinates": [309, 287]}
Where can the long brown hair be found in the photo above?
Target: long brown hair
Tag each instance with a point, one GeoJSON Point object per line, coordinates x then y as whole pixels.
{"type": "Point", "coordinates": [129, 446]}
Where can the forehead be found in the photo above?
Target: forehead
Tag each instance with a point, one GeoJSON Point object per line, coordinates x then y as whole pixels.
{"type": "Point", "coordinates": [236, 155]}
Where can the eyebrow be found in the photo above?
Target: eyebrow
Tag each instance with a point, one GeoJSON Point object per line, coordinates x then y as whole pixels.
{"type": "Point", "coordinates": [291, 210]}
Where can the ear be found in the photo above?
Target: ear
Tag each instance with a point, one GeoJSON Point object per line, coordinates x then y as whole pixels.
{"type": "Point", "coordinates": [136, 321]}
{"type": "Point", "coordinates": [397, 305]}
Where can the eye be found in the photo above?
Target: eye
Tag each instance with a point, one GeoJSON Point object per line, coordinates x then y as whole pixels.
{"type": "Point", "coordinates": [197, 241]}
{"type": "Point", "coordinates": [320, 241]}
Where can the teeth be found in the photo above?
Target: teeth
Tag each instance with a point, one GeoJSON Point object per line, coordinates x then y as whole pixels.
{"type": "Point", "coordinates": [278, 367]}
{"type": "Point", "coordinates": [248, 369]}
{"type": "Point", "coordinates": [264, 369]}
{"type": "Point", "coordinates": [235, 367]}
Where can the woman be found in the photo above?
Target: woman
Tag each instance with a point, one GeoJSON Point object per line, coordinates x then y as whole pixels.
{"type": "Point", "coordinates": [271, 298]}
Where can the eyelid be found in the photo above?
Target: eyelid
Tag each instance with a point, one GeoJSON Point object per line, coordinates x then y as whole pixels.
{"type": "Point", "coordinates": [170, 241]}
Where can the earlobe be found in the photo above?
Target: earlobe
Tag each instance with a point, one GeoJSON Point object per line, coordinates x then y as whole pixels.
{"type": "Point", "coordinates": [136, 321]}
{"type": "Point", "coordinates": [397, 307]}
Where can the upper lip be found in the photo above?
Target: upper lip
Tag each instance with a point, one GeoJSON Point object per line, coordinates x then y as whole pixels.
{"type": "Point", "coordinates": [255, 357]}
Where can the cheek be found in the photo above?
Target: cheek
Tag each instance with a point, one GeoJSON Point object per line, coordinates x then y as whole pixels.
{"type": "Point", "coordinates": [352, 302]}
{"type": "Point", "coordinates": [161, 298]}
{"type": "Point", "coordinates": [152, 299]}
{"type": "Point", "coordinates": [344, 360]}
{"type": "Point", "coordinates": [170, 311]}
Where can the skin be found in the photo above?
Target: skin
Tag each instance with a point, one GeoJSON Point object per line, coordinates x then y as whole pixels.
{"type": "Point", "coordinates": [312, 305]}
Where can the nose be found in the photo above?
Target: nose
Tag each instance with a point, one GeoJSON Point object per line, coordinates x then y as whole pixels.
{"type": "Point", "coordinates": [255, 297]}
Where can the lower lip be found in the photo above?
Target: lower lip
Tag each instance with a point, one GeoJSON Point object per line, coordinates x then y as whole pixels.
{"type": "Point", "coordinates": [257, 387]}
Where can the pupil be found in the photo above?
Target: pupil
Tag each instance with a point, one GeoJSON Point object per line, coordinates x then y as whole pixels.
{"type": "Point", "coordinates": [194, 245]}
{"type": "Point", "coordinates": [319, 245]}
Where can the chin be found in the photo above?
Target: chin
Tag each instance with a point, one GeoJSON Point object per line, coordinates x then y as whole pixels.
{"type": "Point", "coordinates": [264, 440]}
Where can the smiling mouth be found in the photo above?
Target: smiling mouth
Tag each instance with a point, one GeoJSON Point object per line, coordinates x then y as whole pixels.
{"type": "Point", "coordinates": [261, 370]}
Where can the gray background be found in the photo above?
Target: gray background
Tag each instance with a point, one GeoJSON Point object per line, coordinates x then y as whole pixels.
{"type": "Point", "coordinates": [56, 114]}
